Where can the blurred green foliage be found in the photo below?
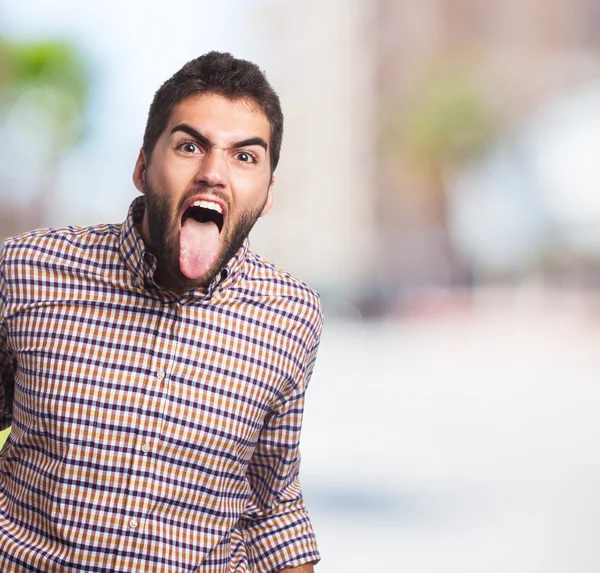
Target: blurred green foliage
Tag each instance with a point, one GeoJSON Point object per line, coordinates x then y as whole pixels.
{"type": "Point", "coordinates": [49, 78]}
{"type": "Point", "coordinates": [446, 120]}
{"type": "Point", "coordinates": [451, 121]}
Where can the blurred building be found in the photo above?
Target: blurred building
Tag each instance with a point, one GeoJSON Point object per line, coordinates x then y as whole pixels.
{"type": "Point", "coordinates": [321, 62]}
{"type": "Point", "coordinates": [386, 104]}
{"type": "Point", "coordinates": [452, 77]}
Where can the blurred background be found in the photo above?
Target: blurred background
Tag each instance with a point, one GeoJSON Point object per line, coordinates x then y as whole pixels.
{"type": "Point", "coordinates": [439, 186]}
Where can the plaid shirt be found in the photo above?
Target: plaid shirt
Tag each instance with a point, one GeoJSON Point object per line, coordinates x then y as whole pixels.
{"type": "Point", "coordinates": [150, 431]}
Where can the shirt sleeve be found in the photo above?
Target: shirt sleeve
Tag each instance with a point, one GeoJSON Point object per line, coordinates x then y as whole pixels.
{"type": "Point", "coordinates": [276, 527]}
{"type": "Point", "coordinates": [6, 360]}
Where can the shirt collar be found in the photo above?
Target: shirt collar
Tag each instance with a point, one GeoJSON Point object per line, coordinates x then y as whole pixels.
{"type": "Point", "coordinates": [131, 245]}
{"type": "Point", "coordinates": [142, 264]}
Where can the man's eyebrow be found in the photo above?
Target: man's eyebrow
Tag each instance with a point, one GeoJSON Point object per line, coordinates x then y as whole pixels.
{"type": "Point", "coordinates": [208, 143]}
{"type": "Point", "coordinates": [251, 141]}
{"type": "Point", "coordinates": [193, 133]}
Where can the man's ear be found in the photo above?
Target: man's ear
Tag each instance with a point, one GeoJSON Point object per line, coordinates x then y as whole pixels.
{"type": "Point", "coordinates": [269, 202]}
{"type": "Point", "coordinates": [139, 172]}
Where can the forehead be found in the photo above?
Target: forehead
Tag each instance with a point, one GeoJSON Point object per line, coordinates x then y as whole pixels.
{"type": "Point", "coordinates": [217, 116]}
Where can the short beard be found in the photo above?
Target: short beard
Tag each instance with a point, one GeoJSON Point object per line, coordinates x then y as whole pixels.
{"type": "Point", "coordinates": [164, 234]}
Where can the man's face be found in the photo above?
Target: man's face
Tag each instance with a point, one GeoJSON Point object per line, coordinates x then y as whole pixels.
{"type": "Point", "coordinates": [208, 181]}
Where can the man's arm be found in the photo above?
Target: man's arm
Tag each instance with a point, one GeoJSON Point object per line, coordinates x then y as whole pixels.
{"type": "Point", "coordinates": [277, 529]}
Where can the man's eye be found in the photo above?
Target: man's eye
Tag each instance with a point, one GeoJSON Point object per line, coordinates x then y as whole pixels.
{"type": "Point", "coordinates": [245, 157]}
{"type": "Point", "coordinates": [189, 147]}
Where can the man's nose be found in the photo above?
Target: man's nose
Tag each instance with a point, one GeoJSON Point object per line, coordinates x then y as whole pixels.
{"type": "Point", "coordinates": [212, 170]}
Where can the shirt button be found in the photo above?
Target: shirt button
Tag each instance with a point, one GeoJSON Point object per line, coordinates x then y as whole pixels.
{"type": "Point", "coordinates": [133, 523]}
{"type": "Point", "coordinates": [160, 374]}
{"type": "Point", "coordinates": [145, 448]}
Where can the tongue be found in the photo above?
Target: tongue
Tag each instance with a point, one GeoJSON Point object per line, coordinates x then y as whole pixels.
{"type": "Point", "coordinates": [198, 247]}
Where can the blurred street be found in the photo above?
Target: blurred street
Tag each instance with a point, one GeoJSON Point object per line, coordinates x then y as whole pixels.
{"type": "Point", "coordinates": [458, 443]}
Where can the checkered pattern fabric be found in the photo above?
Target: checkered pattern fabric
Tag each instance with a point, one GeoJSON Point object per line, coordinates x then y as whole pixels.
{"type": "Point", "coordinates": [150, 431]}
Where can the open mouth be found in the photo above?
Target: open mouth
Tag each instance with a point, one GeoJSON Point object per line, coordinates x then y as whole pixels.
{"type": "Point", "coordinates": [204, 212]}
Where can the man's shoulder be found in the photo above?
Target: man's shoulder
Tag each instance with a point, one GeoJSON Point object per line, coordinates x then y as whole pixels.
{"type": "Point", "coordinates": [64, 243]}
{"type": "Point", "coordinates": [290, 300]}
{"type": "Point", "coordinates": [265, 279]}
{"type": "Point", "coordinates": [76, 236]}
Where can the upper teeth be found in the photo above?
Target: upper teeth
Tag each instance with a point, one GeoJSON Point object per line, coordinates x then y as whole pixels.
{"type": "Point", "coordinates": [208, 205]}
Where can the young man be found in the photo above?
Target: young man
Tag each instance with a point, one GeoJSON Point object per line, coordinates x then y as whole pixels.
{"type": "Point", "coordinates": [154, 372]}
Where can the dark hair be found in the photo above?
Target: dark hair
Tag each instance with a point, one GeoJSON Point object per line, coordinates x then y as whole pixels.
{"type": "Point", "coordinates": [221, 74]}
